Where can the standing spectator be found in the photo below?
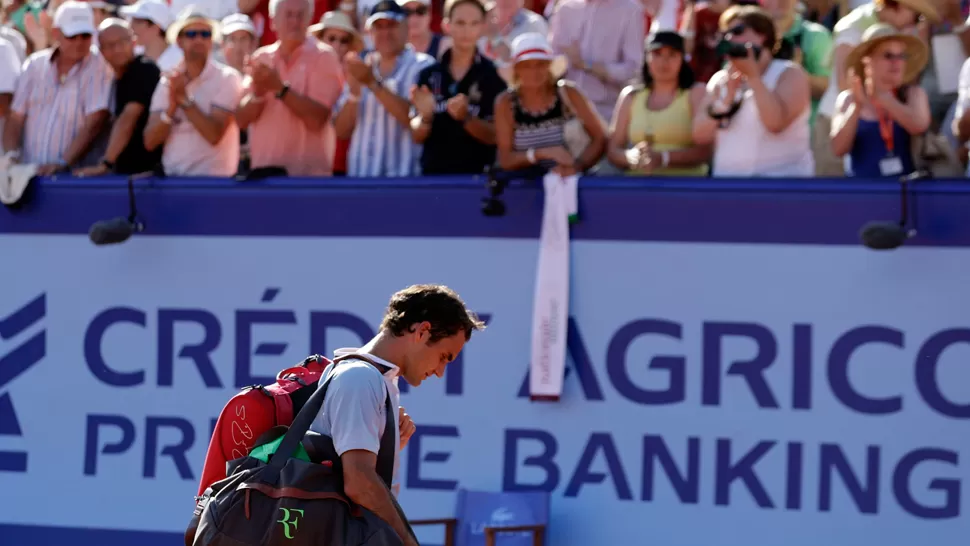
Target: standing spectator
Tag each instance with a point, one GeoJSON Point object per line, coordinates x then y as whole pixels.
{"type": "Point", "coordinates": [192, 108]}
{"type": "Point", "coordinates": [9, 73]}
{"type": "Point", "coordinates": [877, 118]}
{"type": "Point", "coordinates": [136, 78]}
{"type": "Point", "coordinates": [258, 12]}
{"type": "Point", "coordinates": [901, 14]}
{"type": "Point", "coordinates": [337, 30]}
{"type": "Point", "coordinates": [530, 118]}
{"type": "Point", "coordinates": [420, 35]}
{"type": "Point", "coordinates": [702, 34]}
{"type": "Point", "coordinates": [373, 110]}
{"type": "Point", "coordinates": [454, 99]}
{"type": "Point", "coordinates": [756, 109]}
{"type": "Point", "coordinates": [149, 21]}
{"type": "Point", "coordinates": [290, 90]}
{"type": "Point", "coordinates": [60, 106]}
{"type": "Point", "coordinates": [507, 20]}
{"type": "Point", "coordinates": [806, 43]}
{"type": "Point", "coordinates": [603, 40]}
{"type": "Point", "coordinates": [651, 128]}
{"type": "Point", "coordinates": [238, 41]}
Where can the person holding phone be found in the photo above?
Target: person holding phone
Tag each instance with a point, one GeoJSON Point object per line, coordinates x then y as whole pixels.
{"type": "Point", "coordinates": [756, 108]}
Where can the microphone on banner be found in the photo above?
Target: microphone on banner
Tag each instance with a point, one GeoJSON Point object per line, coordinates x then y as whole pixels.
{"type": "Point", "coordinates": [120, 229]}
{"type": "Point", "coordinates": [881, 235]}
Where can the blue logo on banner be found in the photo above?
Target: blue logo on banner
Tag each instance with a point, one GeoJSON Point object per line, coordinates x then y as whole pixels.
{"type": "Point", "coordinates": [15, 362]}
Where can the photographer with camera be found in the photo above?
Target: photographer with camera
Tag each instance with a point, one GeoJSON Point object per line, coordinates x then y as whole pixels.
{"type": "Point", "coordinates": [756, 109]}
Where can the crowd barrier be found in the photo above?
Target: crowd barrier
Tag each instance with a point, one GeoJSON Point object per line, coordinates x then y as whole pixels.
{"type": "Point", "coordinates": [742, 371]}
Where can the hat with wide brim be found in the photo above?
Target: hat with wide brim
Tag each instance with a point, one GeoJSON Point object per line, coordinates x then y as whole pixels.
{"type": "Point", "coordinates": [189, 16]}
{"type": "Point", "coordinates": [533, 46]}
{"type": "Point", "coordinates": [338, 20]}
{"type": "Point", "coordinates": [917, 54]}
{"type": "Point", "coordinates": [924, 8]}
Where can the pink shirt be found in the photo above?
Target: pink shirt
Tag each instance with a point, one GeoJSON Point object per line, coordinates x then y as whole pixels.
{"type": "Point", "coordinates": [186, 152]}
{"type": "Point", "coordinates": [279, 138]}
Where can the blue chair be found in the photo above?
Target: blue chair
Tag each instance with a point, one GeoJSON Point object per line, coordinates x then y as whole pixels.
{"type": "Point", "coordinates": [484, 518]}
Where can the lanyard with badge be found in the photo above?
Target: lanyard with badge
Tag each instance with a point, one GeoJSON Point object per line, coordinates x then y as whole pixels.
{"type": "Point", "coordinates": [891, 165]}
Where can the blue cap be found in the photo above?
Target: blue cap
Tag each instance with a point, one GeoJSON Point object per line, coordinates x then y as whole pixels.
{"type": "Point", "coordinates": [386, 9]}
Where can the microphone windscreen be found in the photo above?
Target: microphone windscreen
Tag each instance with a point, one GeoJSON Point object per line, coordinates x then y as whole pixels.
{"type": "Point", "coordinates": [883, 235]}
{"type": "Point", "coordinates": [108, 232]}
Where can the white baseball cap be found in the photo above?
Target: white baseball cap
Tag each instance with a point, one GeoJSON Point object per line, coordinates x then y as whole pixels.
{"type": "Point", "coordinates": [73, 18]}
{"type": "Point", "coordinates": [155, 11]}
{"type": "Point", "coordinates": [235, 22]}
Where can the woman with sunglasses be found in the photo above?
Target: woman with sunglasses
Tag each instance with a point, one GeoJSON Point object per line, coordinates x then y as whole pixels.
{"type": "Point", "coordinates": [651, 128]}
{"type": "Point", "coordinates": [878, 116]}
{"type": "Point", "coordinates": [756, 109]}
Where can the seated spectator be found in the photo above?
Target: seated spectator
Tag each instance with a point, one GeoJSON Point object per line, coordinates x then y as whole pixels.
{"type": "Point", "coordinates": [373, 110]}
{"type": "Point", "coordinates": [290, 90]}
{"type": "Point", "coordinates": [420, 35]}
{"type": "Point", "coordinates": [531, 117]}
{"type": "Point", "coordinates": [453, 99]}
{"type": "Point", "coordinates": [238, 37]}
{"type": "Point", "coordinates": [876, 119]}
{"type": "Point", "coordinates": [136, 78]}
{"type": "Point", "coordinates": [60, 106]}
{"type": "Point", "coordinates": [9, 73]}
{"type": "Point", "coordinates": [193, 105]}
{"type": "Point", "coordinates": [149, 21]}
{"type": "Point", "coordinates": [603, 41]}
{"type": "Point", "coordinates": [756, 109]}
{"type": "Point", "coordinates": [337, 30]}
{"type": "Point", "coordinates": [901, 14]}
{"type": "Point", "coordinates": [651, 128]}
{"type": "Point", "coordinates": [507, 20]}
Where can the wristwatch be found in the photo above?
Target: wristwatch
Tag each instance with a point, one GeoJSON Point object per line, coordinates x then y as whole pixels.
{"type": "Point", "coordinates": [283, 91]}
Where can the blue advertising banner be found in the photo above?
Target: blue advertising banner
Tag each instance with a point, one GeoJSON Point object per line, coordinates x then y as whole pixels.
{"type": "Point", "coordinates": [741, 371]}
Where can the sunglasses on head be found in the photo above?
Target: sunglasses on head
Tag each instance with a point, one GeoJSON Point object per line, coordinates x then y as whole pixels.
{"type": "Point", "coordinates": [420, 10]}
{"type": "Point", "coordinates": [192, 34]}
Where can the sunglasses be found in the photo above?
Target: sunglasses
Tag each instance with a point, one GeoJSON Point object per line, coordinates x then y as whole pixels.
{"type": "Point", "coordinates": [894, 56]}
{"type": "Point", "coordinates": [192, 34]}
{"type": "Point", "coordinates": [736, 29]}
{"type": "Point", "coordinates": [343, 40]}
{"type": "Point", "coordinates": [420, 10]}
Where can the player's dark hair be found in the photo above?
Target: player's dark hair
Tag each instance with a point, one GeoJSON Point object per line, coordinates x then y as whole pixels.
{"type": "Point", "coordinates": [434, 303]}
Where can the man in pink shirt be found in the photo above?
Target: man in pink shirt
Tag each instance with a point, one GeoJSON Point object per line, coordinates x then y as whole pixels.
{"type": "Point", "coordinates": [290, 89]}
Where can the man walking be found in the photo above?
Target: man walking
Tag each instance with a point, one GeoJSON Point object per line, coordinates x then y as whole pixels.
{"type": "Point", "coordinates": [423, 330]}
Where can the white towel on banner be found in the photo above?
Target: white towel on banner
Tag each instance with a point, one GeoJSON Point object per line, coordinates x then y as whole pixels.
{"type": "Point", "coordinates": [550, 312]}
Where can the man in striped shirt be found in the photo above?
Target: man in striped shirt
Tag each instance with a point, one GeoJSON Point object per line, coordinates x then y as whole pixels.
{"type": "Point", "coordinates": [60, 105]}
{"type": "Point", "coordinates": [373, 110]}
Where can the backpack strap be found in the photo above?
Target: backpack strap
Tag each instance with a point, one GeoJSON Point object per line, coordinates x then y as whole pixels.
{"type": "Point", "coordinates": [301, 424]}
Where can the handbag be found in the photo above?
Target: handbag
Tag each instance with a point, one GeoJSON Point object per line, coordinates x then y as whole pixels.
{"type": "Point", "coordinates": [573, 131]}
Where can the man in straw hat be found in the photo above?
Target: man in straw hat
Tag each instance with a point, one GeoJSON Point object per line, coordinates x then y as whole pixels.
{"type": "Point", "coordinates": [193, 105]}
{"type": "Point", "coordinates": [903, 15]}
{"type": "Point", "coordinates": [879, 114]}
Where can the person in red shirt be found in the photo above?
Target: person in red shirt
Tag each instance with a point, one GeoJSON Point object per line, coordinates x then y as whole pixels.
{"type": "Point", "coordinates": [705, 33]}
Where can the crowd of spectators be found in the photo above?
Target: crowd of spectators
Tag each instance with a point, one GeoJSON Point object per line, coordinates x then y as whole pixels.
{"type": "Point", "coordinates": [391, 88]}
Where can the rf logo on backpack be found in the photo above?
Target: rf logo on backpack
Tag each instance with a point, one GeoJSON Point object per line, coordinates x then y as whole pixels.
{"type": "Point", "coordinates": [286, 522]}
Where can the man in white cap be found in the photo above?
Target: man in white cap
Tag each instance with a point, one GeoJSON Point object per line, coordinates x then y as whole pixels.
{"type": "Point", "coordinates": [9, 73]}
{"type": "Point", "coordinates": [238, 40]}
{"type": "Point", "coordinates": [149, 21]}
{"type": "Point", "coordinates": [60, 105]}
{"type": "Point", "coordinates": [291, 88]}
{"type": "Point", "coordinates": [192, 110]}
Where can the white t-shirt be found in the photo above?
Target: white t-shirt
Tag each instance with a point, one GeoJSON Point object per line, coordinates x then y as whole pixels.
{"type": "Point", "coordinates": [9, 73]}
{"type": "Point", "coordinates": [353, 413]}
